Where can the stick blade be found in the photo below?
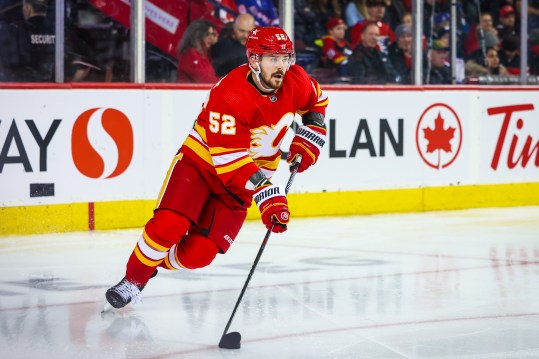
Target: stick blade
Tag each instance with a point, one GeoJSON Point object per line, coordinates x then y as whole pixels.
{"type": "Point", "coordinates": [230, 341]}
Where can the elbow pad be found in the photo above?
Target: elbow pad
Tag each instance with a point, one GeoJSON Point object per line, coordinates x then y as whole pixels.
{"type": "Point", "coordinates": [313, 119]}
{"type": "Point", "coordinates": [256, 180]}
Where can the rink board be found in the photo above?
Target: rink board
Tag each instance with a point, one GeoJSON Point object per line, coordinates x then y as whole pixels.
{"type": "Point", "coordinates": [129, 214]}
{"type": "Point", "coordinates": [94, 158]}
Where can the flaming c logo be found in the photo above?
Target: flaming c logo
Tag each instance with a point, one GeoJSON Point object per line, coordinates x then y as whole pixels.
{"type": "Point", "coordinates": [102, 143]}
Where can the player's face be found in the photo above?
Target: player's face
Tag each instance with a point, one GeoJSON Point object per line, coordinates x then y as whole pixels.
{"type": "Point", "coordinates": [273, 68]}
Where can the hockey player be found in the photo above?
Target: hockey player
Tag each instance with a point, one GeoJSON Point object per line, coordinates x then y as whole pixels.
{"type": "Point", "coordinates": [227, 159]}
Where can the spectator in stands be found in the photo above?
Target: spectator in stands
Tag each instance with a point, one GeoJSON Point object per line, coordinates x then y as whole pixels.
{"type": "Point", "coordinates": [400, 54]}
{"type": "Point", "coordinates": [307, 25]}
{"type": "Point", "coordinates": [476, 64]}
{"type": "Point", "coordinates": [492, 62]}
{"type": "Point", "coordinates": [407, 5]}
{"type": "Point", "coordinates": [533, 59]}
{"type": "Point", "coordinates": [27, 47]}
{"type": "Point", "coordinates": [356, 11]}
{"type": "Point", "coordinates": [230, 52]}
{"type": "Point", "coordinates": [335, 47]}
{"type": "Point", "coordinates": [443, 35]}
{"type": "Point", "coordinates": [328, 9]}
{"type": "Point", "coordinates": [80, 62]}
{"type": "Point", "coordinates": [95, 46]}
{"type": "Point", "coordinates": [533, 15]}
{"type": "Point", "coordinates": [433, 10]}
{"type": "Point", "coordinates": [437, 71]}
{"type": "Point", "coordinates": [263, 11]}
{"type": "Point", "coordinates": [472, 11]}
{"type": "Point", "coordinates": [376, 10]}
{"type": "Point", "coordinates": [442, 23]}
{"type": "Point", "coordinates": [406, 19]}
{"type": "Point", "coordinates": [490, 65]}
{"type": "Point", "coordinates": [510, 54]}
{"type": "Point", "coordinates": [485, 26]}
{"type": "Point", "coordinates": [194, 63]}
{"type": "Point", "coordinates": [395, 9]}
{"type": "Point", "coordinates": [367, 65]}
{"type": "Point", "coordinates": [506, 27]}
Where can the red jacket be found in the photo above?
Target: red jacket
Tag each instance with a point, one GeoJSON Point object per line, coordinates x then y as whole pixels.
{"type": "Point", "coordinates": [335, 51]}
{"type": "Point", "coordinates": [196, 67]}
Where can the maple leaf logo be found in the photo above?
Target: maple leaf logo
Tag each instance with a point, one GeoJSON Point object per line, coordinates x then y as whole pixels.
{"type": "Point", "coordinates": [439, 138]}
{"type": "Point", "coordinates": [439, 144]}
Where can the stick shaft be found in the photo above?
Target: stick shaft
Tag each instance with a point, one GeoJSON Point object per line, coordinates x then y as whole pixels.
{"type": "Point", "coordinates": [259, 254]}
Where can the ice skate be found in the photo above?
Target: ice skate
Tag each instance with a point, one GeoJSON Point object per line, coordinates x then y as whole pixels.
{"type": "Point", "coordinates": [124, 293]}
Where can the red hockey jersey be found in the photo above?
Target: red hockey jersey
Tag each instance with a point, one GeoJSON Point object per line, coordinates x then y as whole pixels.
{"type": "Point", "coordinates": [240, 130]}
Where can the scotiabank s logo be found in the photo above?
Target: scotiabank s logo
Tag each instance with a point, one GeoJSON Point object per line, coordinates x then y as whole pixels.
{"type": "Point", "coordinates": [439, 136]}
{"type": "Point", "coordinates": [102, 143]}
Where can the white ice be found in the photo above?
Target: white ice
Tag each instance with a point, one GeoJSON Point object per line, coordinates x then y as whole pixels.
{"type": "Point", "coordinates": [458, 284]}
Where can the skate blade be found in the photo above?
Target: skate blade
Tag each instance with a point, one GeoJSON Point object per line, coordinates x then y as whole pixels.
{"type": "Point", "coordinates": [107, 308]}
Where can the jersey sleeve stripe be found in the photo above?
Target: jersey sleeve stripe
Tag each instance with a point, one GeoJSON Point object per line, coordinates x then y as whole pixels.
{"type": "Point", "coordinates": [268, 164]}
{"type": "Point", "coordinates": [322, 104]}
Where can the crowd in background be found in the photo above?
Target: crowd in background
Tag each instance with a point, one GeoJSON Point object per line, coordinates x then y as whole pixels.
{"type": "Point", "coordinates": [336, 41]}
{"type": "Point", "coordinates": [370, 41]}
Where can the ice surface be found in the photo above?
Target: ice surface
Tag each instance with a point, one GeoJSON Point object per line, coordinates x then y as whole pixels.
{"type": "Point", "coordinates": [459, 284]}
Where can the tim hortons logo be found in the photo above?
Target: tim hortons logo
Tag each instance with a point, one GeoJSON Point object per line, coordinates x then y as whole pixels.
{"type": "Point", "coordinates": [102, 143]}
{"type": "Point", "coordinates": [439, 136]}
{"type": "Point", "coordinates": [520, 150]}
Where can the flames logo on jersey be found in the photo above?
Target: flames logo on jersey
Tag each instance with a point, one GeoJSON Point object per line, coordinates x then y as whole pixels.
{"type": "Point", "coordinates": [266, 140]}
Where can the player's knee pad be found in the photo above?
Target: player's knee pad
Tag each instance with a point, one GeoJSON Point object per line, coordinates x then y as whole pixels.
{"type": "Point", "coordinates": [167, 227]}
{"type": "Point", "coordinates": [196, 251]}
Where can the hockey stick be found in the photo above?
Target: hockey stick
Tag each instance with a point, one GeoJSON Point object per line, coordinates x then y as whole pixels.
{"type": "Point", "coordinates": [233, 340]}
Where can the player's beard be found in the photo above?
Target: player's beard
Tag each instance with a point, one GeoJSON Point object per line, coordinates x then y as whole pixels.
{"type": "Point", "coordinates": [274, 80]}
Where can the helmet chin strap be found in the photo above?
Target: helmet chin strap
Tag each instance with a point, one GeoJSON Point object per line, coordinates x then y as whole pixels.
{"type": "Point", "coordinates": [258, 80]}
